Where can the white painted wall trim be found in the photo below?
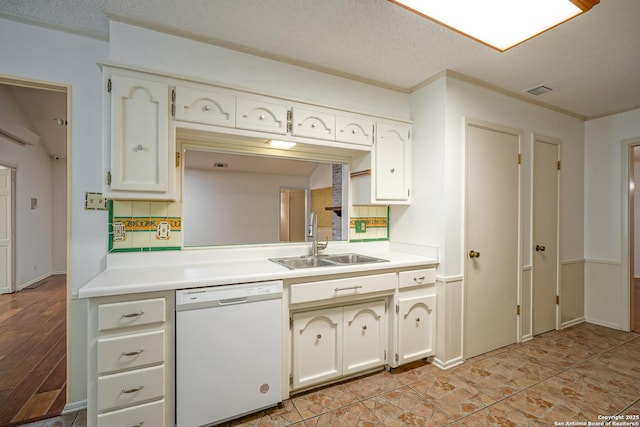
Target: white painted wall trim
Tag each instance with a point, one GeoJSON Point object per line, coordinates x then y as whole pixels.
{"type": "Point", "coordinates": [31, 282]}
{"type": "Point", "coordinates": [74, 406]}
{"type": "Point", "coordinates": [572, 323]}
{"type": "Point", "coordinates": [448, 364]}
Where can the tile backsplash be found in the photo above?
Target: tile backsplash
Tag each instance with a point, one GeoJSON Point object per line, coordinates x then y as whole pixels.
{"type": "Point", "coordinates": [369, 223]}
{"type": "Point", "coordinates": [136, 226]}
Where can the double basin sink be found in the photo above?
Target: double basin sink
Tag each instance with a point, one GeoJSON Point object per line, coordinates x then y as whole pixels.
{"type": "Point", "coordinates": [294, 263]}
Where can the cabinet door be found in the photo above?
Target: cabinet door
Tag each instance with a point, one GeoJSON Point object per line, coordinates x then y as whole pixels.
{"type": "Point", "coordinates": [139, 135]}
{"type": "Point", "coordinates": [354, 129]}
{"type": "Point", "coordinates": [365, 336]}
{"type": "Point", "coordinates": [317, 346]}
{"type": "Point", "coordinates": [416, 324]}
{"type": "Point", "coordinates": [206, 107]}
{"type": "Point", "coordinates": [256, 114]}
{"type": "Point", "coordinates": [313, 124]}
{"type": "Point", "coordinates": [393, 162]}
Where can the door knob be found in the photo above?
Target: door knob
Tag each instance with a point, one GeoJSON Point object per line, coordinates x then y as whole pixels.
{"type": "Point", "coordinates": [540, 248]}
{"type": "Point", "coordinates": [474, 254]}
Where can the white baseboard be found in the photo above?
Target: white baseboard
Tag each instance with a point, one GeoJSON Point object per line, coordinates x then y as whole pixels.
{"type": "Point", "coordinates": [53, 273]}
{"type": "Point", "coordinates": [75, 406]}
{"type": "Point", "coordinates": [449, 364]}
{"type": "Point", "coordinates": [603, 323]}
{"type": "Point", "coordinates": [31, 282]}
{"type": "Point", "coordinates": [526, 338]}
{"type": "Point", "coordinates": [572, 323]}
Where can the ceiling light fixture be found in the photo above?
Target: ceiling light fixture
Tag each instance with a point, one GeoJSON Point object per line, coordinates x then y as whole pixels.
{"type": "Point", "coordinates": [283, 145]}
{"type": "Point", "coordinates": [500, 24]}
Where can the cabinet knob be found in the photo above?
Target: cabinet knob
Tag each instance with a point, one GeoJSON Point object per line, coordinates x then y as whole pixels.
{"type": "Point", "coordinates": [207, 107]}
{"type": "Point", "coordinates": [364, 327]}
{"type": "Point", "coordinates": [393, 170]}
{"type": "Point", "coordinates": [540, 248]}
{"type": "Point", "coordinates": [417, 319]}
{"type": "Point", "coordinates": [319, 336]}
{"type": "Point", "coordinates": [474, 254]}
{"type": "Point", "coordinates": [354, 131]}
{"type": "Point", "coordinates": [261, 116]}
{"type": "Point", "coordinates": [139, 147]}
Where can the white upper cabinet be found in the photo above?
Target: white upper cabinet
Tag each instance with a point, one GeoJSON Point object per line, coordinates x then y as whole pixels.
{"type": "Point", "coordinates": [261, 115]}
{"type": "Point", "coordinates": [142, 147]}
{"type": "Point", "coordinates": [313, 123]}
{"type": "Point", "coordinates": [392, 162]}
{"type": "Point", "coordinates": [205, 106]}
{"type": "Point", "coordinates": [354, 129]}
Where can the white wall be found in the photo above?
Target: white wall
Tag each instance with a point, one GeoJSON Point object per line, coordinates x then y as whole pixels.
{"type": "Point", "coordinates": [59, 216]}
{"type": "Point", "coordinates": [606, 228]}
{"type": "Point", "coordinates": [636, 209]}
{"type": "Point", "coordinates": [153, 50]}
{"type": "Point", "coordinates": [226, 207]}
{"type": "Point", "coordinates": [33, 180]}
{"type": "Point", "coordinates": [41, 54]}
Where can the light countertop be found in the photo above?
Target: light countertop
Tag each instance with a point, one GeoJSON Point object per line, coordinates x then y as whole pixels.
{"type": "Point", "coordinates": [148, 273]}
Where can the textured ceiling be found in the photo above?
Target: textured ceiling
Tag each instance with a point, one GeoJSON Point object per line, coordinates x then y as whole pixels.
{"type": "Point", "coordinates": [592, 62]}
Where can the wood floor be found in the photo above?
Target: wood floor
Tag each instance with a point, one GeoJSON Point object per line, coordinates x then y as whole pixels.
{"type": "Point", "coordinates": [33, 352]}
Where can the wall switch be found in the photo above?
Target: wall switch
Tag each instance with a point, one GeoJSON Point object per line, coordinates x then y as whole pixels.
{"type": "Point", "coordinates": [95, 201]}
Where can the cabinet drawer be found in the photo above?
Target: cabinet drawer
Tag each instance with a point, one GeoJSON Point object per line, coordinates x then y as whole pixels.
{"type": "Point", "coordinates": [149, 414]}
{"type": "Point", "coordinates": [424, 276]}
{"type": "Point", "coordinates": [254, 114]}
{"type": "Point", "coordinates": [130, 351]}
{"type": "Point", "coordinates": [207, 107]}
{"type": "Point", "coordinates": [353, 129]}
{"type": "Point", "coordinates": [131, 313]}
{"type": "Point", "coordinates": [130, 387]}
{"type": "Point", "coordinates": [313, 124]}
{"type": "Point", "coordinates": [328, 289]}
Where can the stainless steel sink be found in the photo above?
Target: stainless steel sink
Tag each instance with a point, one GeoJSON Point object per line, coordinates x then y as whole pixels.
{"type": "Point", "coordinates": [294, 263]}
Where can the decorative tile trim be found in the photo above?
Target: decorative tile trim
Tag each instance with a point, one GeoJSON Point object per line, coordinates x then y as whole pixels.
{"type": "Point", "coordinates": [369, 222]}
{"type": "Point", "coordinates": [148, 224]}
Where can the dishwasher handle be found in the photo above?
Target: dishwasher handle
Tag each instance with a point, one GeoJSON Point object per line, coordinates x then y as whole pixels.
{"type": "Point", "coordinates": [232, 301]}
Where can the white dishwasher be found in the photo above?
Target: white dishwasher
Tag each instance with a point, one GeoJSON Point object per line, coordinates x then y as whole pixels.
{"type": "Point", "coordinates": [228, 351]}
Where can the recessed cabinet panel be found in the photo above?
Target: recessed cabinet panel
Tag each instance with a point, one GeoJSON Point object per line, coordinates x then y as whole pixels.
{"type": "Point", "coordinates": [139, 135]}
{"type": "Point", "coordinates": [313, 124]}
{"type": "Point", "coordinates": [416, 328]}
{"type": "Point", "coordinates": [126, 388]}
{"type": "Point", "coordinates": [365, 335]}
{"type": "Point", "coordinates": [130, 351]}
{"type": "Point", "coordinates": [354, 129]}
{"type": "Point", "coordinates": [149, 414]}
{"type": "Point", "coordinates": [317, 346]}
{"type": "Point", "coordinates": [392, 162]}
{"type": "Point", "coordinates": [206, 107]}
{"type": "Point", "coordinates": [256, 114]}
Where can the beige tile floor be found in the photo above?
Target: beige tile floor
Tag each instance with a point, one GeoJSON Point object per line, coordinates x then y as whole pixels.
{"type": "Point", "coordinates": [576, 375]}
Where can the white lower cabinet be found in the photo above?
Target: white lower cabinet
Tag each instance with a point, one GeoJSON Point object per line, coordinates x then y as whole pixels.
{"type": "Point", "coordinates": [130, 360]}
{"type": "Point", "coordinates": [415, 316]}
{"type": "Point", "coordinates": [416, 328]}
{"type": "Point", "coordinates": [330, 343]}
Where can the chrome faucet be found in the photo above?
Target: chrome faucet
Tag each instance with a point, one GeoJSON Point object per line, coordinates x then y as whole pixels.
{"type": "Point", "coordinates": [313, 232]}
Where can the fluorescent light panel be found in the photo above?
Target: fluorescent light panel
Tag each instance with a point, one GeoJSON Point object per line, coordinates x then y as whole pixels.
{"type": "Point", "coordinates": [501, 24]}
{"type": "Point", "coordinates": [283, 145]}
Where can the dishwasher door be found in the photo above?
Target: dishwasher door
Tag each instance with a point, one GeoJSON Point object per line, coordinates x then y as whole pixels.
{"type": "Point", "coordinates": [228, 352]}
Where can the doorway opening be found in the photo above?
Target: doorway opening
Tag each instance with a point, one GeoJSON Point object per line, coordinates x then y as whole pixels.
{"type": "Point", "coordinates": [34, 144]}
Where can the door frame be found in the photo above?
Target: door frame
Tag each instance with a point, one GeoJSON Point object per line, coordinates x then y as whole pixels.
{"type": "Point", "coordinates": [558, 142]}
{"type": "Point", "coordinates": [627, 239]}
{"type": "Point", "coordinates": [468, 121]}
{"type": "Point", "coordinates": [13, 176]}
{"type": "Point", "coordinates": [67, 89]}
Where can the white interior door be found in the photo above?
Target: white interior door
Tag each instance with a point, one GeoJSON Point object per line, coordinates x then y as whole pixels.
{"type": "Point", "coordinates": [545, 235]}
{"type": "Point", "coordinates": [6, 262]}
{"type": "Point", "coordinates": [492, 213]}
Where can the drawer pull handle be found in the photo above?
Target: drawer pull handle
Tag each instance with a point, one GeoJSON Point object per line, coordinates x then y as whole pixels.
{"type": "Point", "coordinates": [132, 390]}
{"type": "Point", "coordinates": [140, 424]}
{"type": "Point", "coordinates": [348, 288]}
{"type": "Point", "coordinates": [418, 279]}
{"type": "Point", "coordinates": [132, 353]}
{"type": "Point", "coordinates": [130, 315]}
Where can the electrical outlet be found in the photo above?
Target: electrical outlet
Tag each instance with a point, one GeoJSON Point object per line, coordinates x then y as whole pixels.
{"type": "Point", "coordinates": [95, 201]}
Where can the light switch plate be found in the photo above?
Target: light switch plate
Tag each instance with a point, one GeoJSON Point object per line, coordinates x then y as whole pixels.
{"type": "Point", "coordinates": [95, 202]}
